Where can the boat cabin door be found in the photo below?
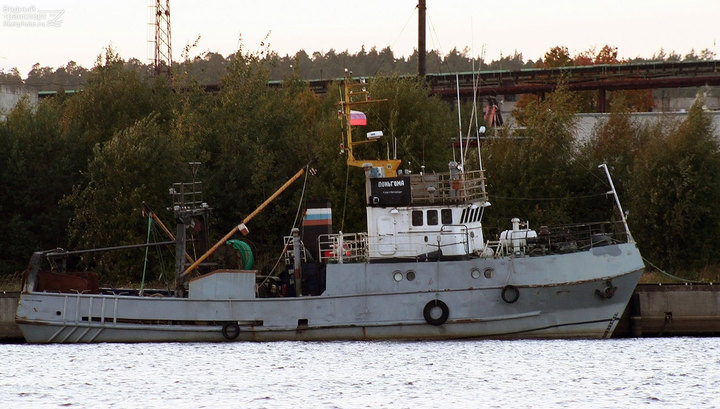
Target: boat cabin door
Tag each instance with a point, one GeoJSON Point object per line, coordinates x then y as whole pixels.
{"type": "Point", "coordinates": [386, 235]}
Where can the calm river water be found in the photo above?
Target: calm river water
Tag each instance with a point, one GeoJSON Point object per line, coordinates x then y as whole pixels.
{"type": "Point", "coordinates": [660, 372]}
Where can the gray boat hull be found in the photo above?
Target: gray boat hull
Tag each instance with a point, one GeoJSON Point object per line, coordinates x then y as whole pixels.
{"type": "Point", "coordinates": [577, 295]}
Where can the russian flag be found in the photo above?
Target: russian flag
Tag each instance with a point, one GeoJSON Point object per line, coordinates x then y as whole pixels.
{"type": "Point", "coordinates": [357, 118]}
{"type": "Point", "coordinates": [318, 217]}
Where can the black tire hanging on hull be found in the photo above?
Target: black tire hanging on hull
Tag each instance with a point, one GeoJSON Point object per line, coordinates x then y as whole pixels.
{"type": "Point", "coordinates": [230, 330]}
{"type": "Point", "coordinates": [428, 312]}
{"type": "Point", "coordinates": [510, 294]}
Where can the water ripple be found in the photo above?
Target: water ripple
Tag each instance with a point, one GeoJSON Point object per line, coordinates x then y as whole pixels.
{"type": "Point", "coordinates": [668, 372]}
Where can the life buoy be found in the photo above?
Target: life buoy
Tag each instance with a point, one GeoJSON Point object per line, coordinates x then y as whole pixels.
{"type": "Point", "coordinates": [345, 251]}
{"type": "Point", "coordinates": [430, 312]}
{"type": "Point", "coordinates": [510, 294]}
{"type": "Point", "coordinates": [230, 330]}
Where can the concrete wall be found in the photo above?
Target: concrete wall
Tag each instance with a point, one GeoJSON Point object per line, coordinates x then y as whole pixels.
{"type": "Point", "coordinates": [673, 100]}
{"type": "Point", "coordinates": [586, 122]}
{"type": "Point", "coordinates": [8, 305]}
{"type": "Point", "coordinates": [11, 94]}
{"type": "Point", "coordinates": [672, 310]}
{"type": "Point", "coordinates": [667, 102]}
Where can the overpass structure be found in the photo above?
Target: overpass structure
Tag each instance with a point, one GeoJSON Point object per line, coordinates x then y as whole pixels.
{"type": "Point", "coordinates": [600, 78]}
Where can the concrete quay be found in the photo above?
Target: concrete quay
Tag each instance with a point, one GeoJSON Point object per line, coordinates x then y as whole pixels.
{"type": "Point", "coordinates": [671, 310]}
{"type": "Point", "coordinates": [9, 332]}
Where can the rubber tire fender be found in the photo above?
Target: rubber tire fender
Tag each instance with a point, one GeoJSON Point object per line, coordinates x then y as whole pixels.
{"type": "Point", "coordinates": [510, 294]}
{"type": "Point", "coordinates": [230, 330]}
{"type": "Point", "coordinates": [427, 312]}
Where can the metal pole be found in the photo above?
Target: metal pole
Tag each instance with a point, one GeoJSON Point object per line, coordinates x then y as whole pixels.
{"type": "Point", "coordinates": [125, 247]}
{"type": "Point", "coordinates": [245, 220]}
{"type": "Point", "coordinates": [617, 202]}
{"type": "Point", "coordinates": [297, 261]}
{"type": "Point", "coordinates": [148, 210]}
{"type": "Point", "coordinates": [180, 249]}
{"type": "Point", "coordinates": [457, 86]}
{"type": "Point", "coordinates": [421, 38]}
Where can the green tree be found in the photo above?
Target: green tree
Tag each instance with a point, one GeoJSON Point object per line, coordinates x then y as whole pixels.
{"type": "Point", "coordinates": [558, 56]}
{"type": "Point", "coordinates": [115, 97]}
{"type": "Point", "coordinates": [253, 138]}
{"type": "Point", "coordinates": [615, 141]}
{"type": "Point", "coordinates": [509, 62]}
{"type": "Point", "coordinates": [675, 194]}
{"type": "Point", "coordinates": [411, 120]}
{"type": "Point", "coordinates": [423, 125]}
{"type": "Point", "coordinates": [137, 164]}
{"type": "Point", "coordinates": [41, 77]}
{"type": "Point", "coordinates": [11, 77]}
{"type": "Point", "coordinates": [534, 164]}
{"type": "Point", "coordinates": [34, 171]}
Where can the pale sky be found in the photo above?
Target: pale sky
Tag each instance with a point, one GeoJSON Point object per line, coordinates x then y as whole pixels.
{"type": "Point", "coordinates": [532, 27]}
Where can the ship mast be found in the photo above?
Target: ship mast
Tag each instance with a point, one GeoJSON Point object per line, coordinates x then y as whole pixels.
{"type": "Point", "coordinates": [355, 95]}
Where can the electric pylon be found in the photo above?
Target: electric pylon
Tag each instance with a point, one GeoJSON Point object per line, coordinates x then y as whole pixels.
{"type": "Point", "coordinates": [161, 38]}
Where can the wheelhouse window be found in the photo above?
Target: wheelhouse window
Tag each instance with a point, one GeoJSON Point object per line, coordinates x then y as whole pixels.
{"type": "Point", "coordinates": [432, 217]}
{"type": "Point", "coordinates": [446, 216]}
{"type": "Point", "coordinates": [417, 218]}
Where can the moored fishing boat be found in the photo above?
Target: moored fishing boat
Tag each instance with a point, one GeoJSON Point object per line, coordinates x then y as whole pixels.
{"type": "Point", "coordinates": [422, 270]}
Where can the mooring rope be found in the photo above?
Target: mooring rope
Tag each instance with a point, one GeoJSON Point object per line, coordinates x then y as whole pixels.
{"type": "Point", "coordinates": [142, 283]}
{"type": "Point", "coordinates": [661, 271]}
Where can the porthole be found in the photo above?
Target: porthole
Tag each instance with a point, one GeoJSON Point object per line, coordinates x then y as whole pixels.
{"type": "Point", "coordinates": [397, 276]}
{"type": "Point", "coordinates": [410, 275]}
{"type": "Point", "coordinates": [475, 273]}
{"type": "Point", "coordinates": [489, 272]}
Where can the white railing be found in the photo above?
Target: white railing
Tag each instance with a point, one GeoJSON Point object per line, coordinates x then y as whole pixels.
{"type": "Point", "coordinates": [359, 247]}
{"type": "Point", "coordinates": [289, 250]}
{"type": "Point", "coordinates": [342, 247]}
{"type": "Point", "coordinates": [559, 240]}
{"type": "Point", "coordinates": [437, 188]}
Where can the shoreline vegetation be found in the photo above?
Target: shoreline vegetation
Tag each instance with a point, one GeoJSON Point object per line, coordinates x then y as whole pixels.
{"type": "Point", "coordinates": [209, 68]}
{"type": "Point", "coordinates": [77, 167]}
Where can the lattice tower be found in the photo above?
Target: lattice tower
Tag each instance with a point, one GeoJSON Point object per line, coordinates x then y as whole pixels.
{"type": "Point", "coordinates": [159, 37]}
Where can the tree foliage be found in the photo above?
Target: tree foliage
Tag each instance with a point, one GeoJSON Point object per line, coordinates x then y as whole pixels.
{"type": "Point", "coordinates": [36, 171]}
{"type": "Point", "coordinates": [78, 167]}
{"type": "Point", "coordinates": [588, 101]}
{"type": "Point", "coordinates": [675, 193]}
{"type": "Point", "coordinates": [536, 162]}
{"type": "Point", "coordinates": [415, 127]}
{"type": "Point", "coordinates": [137, 164]}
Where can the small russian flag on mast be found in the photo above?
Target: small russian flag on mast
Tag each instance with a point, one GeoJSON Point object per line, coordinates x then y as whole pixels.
{"type": "Point", "coordinates": [357, 118]}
